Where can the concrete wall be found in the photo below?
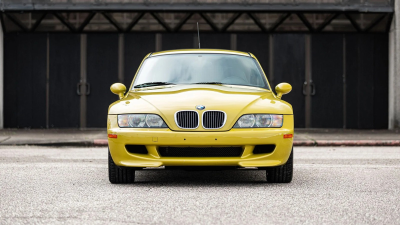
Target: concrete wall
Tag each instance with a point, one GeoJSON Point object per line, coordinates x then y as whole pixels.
{"type": "Point", "coordinates": [394, 69]}
{"type": "Point", "coordinates": [1, 78]}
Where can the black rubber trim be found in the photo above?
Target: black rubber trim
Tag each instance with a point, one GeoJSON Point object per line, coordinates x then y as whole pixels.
{"type": "Point", "coordinates": [200, 151]}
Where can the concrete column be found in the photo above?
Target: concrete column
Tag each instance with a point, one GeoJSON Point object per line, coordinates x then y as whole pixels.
{"type": "Point", "coordinates": [394, 69]}
{"type": "Point", "coordinates": [121, 58]}
{"type": "Point", "coordinates": [233, 42]}
{"type": "Point", "coordinates": [83, 81]}
{"type": "Point", "coordinates": [158, 42]}
{"type": "Point", "coordinates": [1, 78]}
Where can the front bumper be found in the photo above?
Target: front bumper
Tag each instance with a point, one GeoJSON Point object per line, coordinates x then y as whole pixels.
{"type": "Point", "coordinates": [164, 137]}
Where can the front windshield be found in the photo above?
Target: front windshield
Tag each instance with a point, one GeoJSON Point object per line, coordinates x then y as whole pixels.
{"type": "Point", "coordinates": [202, 68]}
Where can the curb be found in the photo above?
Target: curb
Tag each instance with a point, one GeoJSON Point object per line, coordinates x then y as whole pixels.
{"type": "Point", "coordinates": [326, 143]}
{"type": "Point", "coordinates": [104, 142]}
{"type": "Point", "coordinates": [51, 143]}
{"type": "Point", "coordinates": [348, 143]}
{"type": "Point", "coordinates": [100, 142]}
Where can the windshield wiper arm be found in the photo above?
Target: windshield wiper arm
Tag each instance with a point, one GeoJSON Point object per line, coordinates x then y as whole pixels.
{"type": "Point", "coordinates": [208, 83]}
{"type": "Point", "coordinates": [150, 84]}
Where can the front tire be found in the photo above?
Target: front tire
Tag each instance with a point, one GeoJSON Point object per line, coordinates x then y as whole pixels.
{"type": "Point", "coordinates": [119, 175]}
{"type": "Point", "coordinates": [281, 174]}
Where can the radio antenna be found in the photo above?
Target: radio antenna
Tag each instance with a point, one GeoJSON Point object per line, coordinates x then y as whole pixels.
{"type": "Point", "coordinates": [198, 33]}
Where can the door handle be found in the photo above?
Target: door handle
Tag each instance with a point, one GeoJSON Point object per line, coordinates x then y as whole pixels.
{"type": "Point", "coordinates": [312, 88]}
{"type": "Point", "coordinates": [87, 88]}
{"type": "Point", "coordinates": [78, 88]}
{"type": "Point", "coordinates": [304, 88]}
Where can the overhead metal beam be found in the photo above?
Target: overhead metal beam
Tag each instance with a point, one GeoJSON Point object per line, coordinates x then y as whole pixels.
{"type": "Point", "coordinates": [112, 21]}
{"type": "Point", "coordinates": [161, 21]}
{"type": "Point", "coordinates": [327, 21]}
{"type": "Point", "coordinates": [2, 22]}
{"type": "Point", "coordinates": [204, 7]}
{"type": "Point", "coordinates": [257, 22]}
{"type": "Point", "coordinates": [279, 22]}
{"type": "Point", "coordinates": [86, 21]}
{"type": "Point", "coordinates": [231, 21]}
{"type": "Point", "coordinates": [209, 21]}
{"type": "Point", "coordinates": [17, 22]}
{"type": "Point", "coordinates": [183, 21]}
{"type": "Point", "coordinates": [389, 23]}
{"type": "Point", "coordinates": [375, 22]}
{"type": "Point", "coordinates": [65, 22]}
{"type": "Point", "coordinates": [353, 22]}
{"type": "Point", "coordinates": [305, 22]}
{"type": "Point", "coordinates": [135, 20]}
{"type": "Point", "coordinates": [37, 23]}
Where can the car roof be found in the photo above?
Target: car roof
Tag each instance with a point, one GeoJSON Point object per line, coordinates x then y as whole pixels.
{"type": "Point", "coordinates": [188, 51]}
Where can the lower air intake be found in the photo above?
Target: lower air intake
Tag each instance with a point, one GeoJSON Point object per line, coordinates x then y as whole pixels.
{"type": "Point", "coordinates": [200, 151]}
{"type": "Point", "coordinates": [136, 149]}
{"type": "Point", "coordinates": [263, 149]}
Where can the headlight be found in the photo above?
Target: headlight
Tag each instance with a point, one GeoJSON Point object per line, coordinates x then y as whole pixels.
{"type": "Point", "coordinates": [259, 120]}
{"type": "Point", "coordinates": [140, 120]}
{"type": "Point", "coordinates": [246, 121]}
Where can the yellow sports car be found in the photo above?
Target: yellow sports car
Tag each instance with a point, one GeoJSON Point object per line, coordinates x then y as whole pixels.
{"type": "Point", "coordinates": [200, 108]}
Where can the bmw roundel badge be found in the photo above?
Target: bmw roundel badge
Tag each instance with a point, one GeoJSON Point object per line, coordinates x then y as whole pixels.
{"type": "Point", "coordinates": [200, 107]}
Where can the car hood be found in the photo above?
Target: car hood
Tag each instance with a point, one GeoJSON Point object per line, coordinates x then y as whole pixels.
{"type": "Point", "coordinates": [232, 99]}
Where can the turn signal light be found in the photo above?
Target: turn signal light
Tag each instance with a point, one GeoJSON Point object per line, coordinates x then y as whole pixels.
{"type": "Point", "coordinates": [112, 135]}
{"type": "Point", "coordinates": [287, 135]}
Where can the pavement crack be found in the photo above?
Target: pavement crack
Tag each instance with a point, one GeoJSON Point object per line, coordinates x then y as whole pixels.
{"type": "Point", "coordinates": [5, 139]}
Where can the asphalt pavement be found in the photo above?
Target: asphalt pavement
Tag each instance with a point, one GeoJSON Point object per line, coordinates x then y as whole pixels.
{"type": "Point", "coordinates": [343, 185]}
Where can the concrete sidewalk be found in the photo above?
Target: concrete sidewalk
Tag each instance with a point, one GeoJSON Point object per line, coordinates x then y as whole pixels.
{"type": "Point", "coordinates": [98, 137]}
{"type": "Point", "coordinates": [341, 137]}
{"type": "Point", "coordinates": [51, 136]}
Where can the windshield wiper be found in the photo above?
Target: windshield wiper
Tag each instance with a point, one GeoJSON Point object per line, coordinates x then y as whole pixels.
{"type": "Point", "coordinates": [150, 84]}
{"type": "Point", "coordinates": [208, 83]}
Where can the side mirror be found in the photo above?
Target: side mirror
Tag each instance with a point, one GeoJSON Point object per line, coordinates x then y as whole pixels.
{"type": "Point", "coordinates": [282, 89]}
{"type": "Point", "coordinates": [118, 89]}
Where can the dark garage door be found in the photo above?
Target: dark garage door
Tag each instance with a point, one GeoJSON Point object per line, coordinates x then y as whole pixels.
{"type": "Point", "coordinates": [102, 72]}
{"type": "Point", "coordinates": [64, 75]}
{"type": "Point", "coordinates": [25, 80]}
{"type": "Point", "coordinates": [349, 72]}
